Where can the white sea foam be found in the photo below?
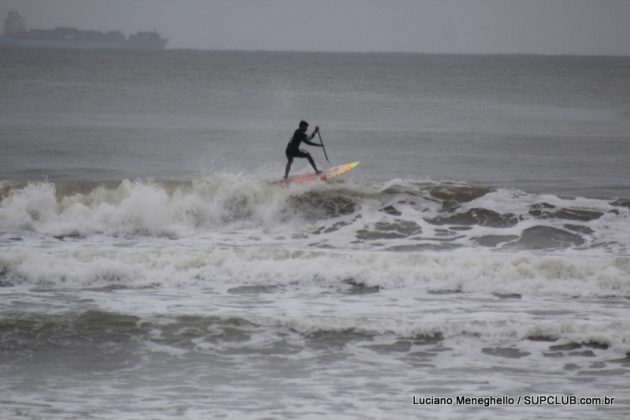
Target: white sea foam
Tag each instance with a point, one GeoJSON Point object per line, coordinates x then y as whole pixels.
{"type": "Point", "coordinates": [395, 215]}
{"type": "Point", "coordinates": [170, 264]}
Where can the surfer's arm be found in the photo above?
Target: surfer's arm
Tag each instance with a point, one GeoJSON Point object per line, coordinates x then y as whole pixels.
{"type": "Point", "coordinates": [308, 139]}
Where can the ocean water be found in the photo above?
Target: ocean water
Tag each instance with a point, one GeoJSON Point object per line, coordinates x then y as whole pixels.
{"type": "Point", "coordinates": [149, 267]}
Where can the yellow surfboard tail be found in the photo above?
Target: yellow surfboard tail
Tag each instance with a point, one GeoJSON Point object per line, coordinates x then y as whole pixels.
{"type": "Point", "coordinates": [340, 170]}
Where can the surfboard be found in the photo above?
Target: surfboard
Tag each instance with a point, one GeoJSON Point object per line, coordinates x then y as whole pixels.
{"type": "Point", "coordinates": [326, 175]}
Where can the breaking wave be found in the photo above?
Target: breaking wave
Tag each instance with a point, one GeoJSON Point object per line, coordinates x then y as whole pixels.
{"type": "Point", "coordinates": [398, 215]}
{"type": "Point", "coordinates": [260, 269]}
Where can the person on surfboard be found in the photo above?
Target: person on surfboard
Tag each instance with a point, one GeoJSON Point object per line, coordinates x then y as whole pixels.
{"type": "Point", "coordinates": [293, 148]}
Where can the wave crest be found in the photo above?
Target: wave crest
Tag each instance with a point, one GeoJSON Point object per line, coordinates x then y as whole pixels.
{"type": "Point", "coordinates": [398, 216]}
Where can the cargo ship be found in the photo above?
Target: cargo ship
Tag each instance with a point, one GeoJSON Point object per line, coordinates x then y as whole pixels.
{"type": "Point", "coordinates": [16, 35]}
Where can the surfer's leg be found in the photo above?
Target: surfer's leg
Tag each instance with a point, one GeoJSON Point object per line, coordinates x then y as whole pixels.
{"type": "Point", "coordinates": [288, 168]}
{"type": "Point", "coordinates": [312, 162]}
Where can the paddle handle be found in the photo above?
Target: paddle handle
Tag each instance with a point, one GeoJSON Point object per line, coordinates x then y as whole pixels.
{"type": "Point", "coordinates": [323, 147]}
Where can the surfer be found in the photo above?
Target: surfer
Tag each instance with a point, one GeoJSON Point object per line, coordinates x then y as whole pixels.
{"type": "Point", "coordinates": [293, 148]}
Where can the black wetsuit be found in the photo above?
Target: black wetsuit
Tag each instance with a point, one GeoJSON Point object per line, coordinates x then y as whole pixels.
{"type": "Point", "coordinates": [293, 148]}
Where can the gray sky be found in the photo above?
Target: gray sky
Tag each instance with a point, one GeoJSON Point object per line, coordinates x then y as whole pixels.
{"type": "Point", "coordinates": [451, 26]}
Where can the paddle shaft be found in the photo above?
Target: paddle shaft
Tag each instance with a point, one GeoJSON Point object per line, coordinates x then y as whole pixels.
{"type": "Point", "coordinates": [323, 147]}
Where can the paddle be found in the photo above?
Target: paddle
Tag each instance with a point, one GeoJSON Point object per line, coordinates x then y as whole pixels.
{"type": "Point", "coordinates": [323, 147]}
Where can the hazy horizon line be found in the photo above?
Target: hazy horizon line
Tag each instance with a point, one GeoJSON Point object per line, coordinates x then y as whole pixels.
{"type": "Point", "coordinates": [401, 52]}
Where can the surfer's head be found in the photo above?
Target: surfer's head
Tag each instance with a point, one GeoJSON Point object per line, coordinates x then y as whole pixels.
{"type": "Point", "coordinates": [303, 125]}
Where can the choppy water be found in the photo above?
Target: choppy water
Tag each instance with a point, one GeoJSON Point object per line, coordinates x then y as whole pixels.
{"type": "Point", "coordinates": [149, 269]}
